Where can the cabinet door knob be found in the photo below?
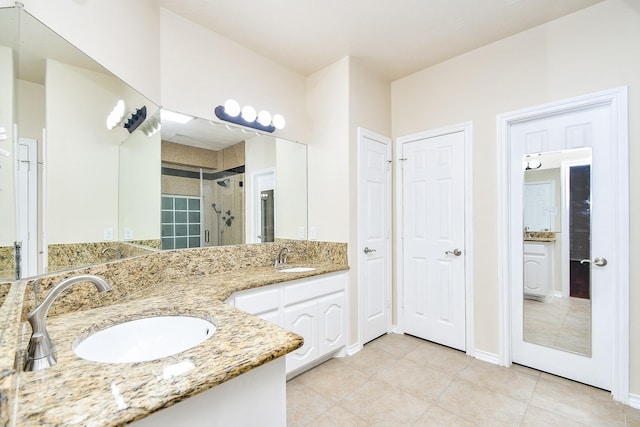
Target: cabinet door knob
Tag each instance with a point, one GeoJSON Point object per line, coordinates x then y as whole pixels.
{"type": "Point", "coordinates": [368, 251]}
{"type": "Point", "coordinates": [456, 252]}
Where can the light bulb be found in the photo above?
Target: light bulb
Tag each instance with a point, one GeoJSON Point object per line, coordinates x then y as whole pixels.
{"type": "Point", "coordinates": [264, 118]}
{"type": "Point", "coordinates": [278, 121]}
{"type": "Point", "coordinates": [249, 113]}
{"type": "Point", "coordinates": [232, 108]}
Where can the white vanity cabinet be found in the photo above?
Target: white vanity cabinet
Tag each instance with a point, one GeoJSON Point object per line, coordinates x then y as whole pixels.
{"type": "Point", "coordinates": [538, 270]}
{"type": "Point", "coordinates": [314, 308]}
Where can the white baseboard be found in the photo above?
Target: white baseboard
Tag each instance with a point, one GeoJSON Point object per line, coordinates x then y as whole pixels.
{"type": "Point", "coordinates": [396, 330]}
{"type": "Point", "coordinates": [353, 349]}
{"type": "Point", "coordinates": [634, 400]}
{"type": "Point", "coordinates": [485, 356]}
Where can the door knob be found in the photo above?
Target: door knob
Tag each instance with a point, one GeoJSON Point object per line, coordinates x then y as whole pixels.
{"type": "Point", "coordinates": [368, 251]}
{"type": "Point", "coordinates": [600, 262]}
{"type": "Point", "coordinates": [456, 252]}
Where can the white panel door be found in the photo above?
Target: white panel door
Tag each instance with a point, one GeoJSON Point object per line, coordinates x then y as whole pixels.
{"type": "Point", "coordinates": [578, 129]}
{"type": "Point", "coordinates": [374, 217]}
{"type": "Point", "coordinates": [433, 239]}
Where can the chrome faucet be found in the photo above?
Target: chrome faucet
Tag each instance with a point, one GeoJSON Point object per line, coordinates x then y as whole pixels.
{"type": "Point", "coordinates": [281, 259]}
{"type": "Point", "coordinates": [40, 352]}
{"type": "Point", "coordinates": [116, 251]}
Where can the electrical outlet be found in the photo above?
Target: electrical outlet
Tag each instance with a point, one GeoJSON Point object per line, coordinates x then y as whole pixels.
{"type": "Point", "coordinates": [128, 233]}
{"type": "Point", "coordinates": [108, 234]}
{"type": "Point", "coordinates": [301, 234]}
{"type": "Point", "coordinates": [313, 233]}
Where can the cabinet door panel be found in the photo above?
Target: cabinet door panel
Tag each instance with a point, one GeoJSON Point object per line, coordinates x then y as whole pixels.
{"type": "Point", "coordinates": [302, 320]}
{"type": "Point", "coordinates": [332, 323]}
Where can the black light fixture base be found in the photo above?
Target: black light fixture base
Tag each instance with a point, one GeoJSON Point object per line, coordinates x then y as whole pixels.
{"type": "Point", "coordinates": [238, 120]}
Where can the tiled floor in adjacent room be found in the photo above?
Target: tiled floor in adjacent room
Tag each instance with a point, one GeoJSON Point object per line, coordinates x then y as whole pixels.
{"type": "Point", "coordinates": [398, 380]}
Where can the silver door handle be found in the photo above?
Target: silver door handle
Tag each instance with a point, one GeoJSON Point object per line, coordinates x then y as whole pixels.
{"type": "Point", "coordinates": [368, 251]}
{"type": "Point", "coordinates": [456, 252]}
{"type": "Point", "coordinates": [600, 262]}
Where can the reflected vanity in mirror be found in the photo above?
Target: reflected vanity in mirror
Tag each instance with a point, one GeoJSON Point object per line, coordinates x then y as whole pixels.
{"type": "Point", "coordinates": [225, 185]}
{"type": "Point", "coordinates": [557, 250]}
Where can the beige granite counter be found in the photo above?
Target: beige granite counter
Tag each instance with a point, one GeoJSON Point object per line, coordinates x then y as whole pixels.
{"type": "Point", "coordinates": [80, 392]}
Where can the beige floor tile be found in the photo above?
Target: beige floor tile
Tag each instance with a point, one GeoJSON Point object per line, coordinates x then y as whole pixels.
{"type": "Point", "coordinates": [578, 402]}
{"type": "Point", "coordinates": [381, 405]}
{"type": "Point", "coordinates": [337, 416]}
{"type": "Point", "coordinates": [304, 404]}
{"type": "Point", "coordinates": [508, 381]}
{"type": "Point", "coordinates": [632, 416]}
{"type": "Point", "coordinates": [416, 379]}
{"type": "Point", "coordinates": [404, 381]}
{"type": "Point", "coordinates": [439, 357]}
{"type": "Point", "coordinates": [438, 417]}
{"type": "Point", "coordinates": [334, 379]}
{"type": "Point", "coordinates": [371, 361]}
{"type": "Point", "coordinates": [396, 344]}
{"type": "Point", "coordinates": [536, 417]}
{"type": "Point", "coordinates": [481, 405]}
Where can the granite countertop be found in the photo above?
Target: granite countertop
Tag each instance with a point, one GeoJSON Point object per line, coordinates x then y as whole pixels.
{"type": "Point", "coordinates": [80, 392]}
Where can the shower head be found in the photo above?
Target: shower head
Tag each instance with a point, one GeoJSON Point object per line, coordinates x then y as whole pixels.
{"type": "Point", "coordinates": [223, 182]}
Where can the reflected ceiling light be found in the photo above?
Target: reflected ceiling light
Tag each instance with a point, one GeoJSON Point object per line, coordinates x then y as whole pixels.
{"type": "Point", "coordinates": [247, 117]}
{"type": "Point", "coordinates": [151, 127]}
{"type": "Point", "coordinates": [116, 116]}
{"type": "Point", "coordinates": [172, 116]}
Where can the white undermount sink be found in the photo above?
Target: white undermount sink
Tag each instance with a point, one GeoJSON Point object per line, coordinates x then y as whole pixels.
{"type": "Point", "coordinates": [296, 269]}
{"type": "Point", "coordinates": [146, 339]}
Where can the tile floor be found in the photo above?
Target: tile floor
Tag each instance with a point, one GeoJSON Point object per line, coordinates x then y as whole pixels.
{"type": "Point", "coordinates": [398, 380]}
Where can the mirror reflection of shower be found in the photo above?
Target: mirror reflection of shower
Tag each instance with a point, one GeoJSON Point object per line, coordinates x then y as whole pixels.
{"type": "Point", "coordinates": [212, 197]}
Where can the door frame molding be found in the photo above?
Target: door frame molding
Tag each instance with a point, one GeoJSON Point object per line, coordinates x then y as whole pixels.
{"type": "Point", "coordinates": [467, 129]}
{"type": "Point", "coordinates": [365, 133]}
{"type": "Point", "coordinates": [617, 101]}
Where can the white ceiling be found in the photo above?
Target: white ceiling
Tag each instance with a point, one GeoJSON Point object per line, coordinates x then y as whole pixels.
{"type": "Point", "coordinates": [395, 37]}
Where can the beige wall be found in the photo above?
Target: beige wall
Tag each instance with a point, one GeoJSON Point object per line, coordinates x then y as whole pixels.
{"type": "Point", "coordinates": [328, 140]}
{"type": "Point", "coordinates": [81, 159]}
{"type": "Point", "coordinates": [201, 70]}
{"type": "Point", "coordinates": [588, 51]}
{"type": "Point", "coordinates": [340, 98]}
{"type": "Point", "coordinates": [139, 187]}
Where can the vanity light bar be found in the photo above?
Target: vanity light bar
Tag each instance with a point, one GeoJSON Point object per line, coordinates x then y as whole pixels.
{"type": "Point", "coordinates": [247, 116]}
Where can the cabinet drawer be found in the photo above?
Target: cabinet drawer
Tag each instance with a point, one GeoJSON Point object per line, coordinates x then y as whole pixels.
{"type": "Point", "coordinates": [258, 301]}
{"type": "Point", "coordinates": [314, 288]}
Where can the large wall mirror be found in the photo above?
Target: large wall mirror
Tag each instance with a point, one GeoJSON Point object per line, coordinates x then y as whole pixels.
{"type": "Point", "coordinates": [225, 185]}
{"type": "Point", "coordinates": [87, 194]}
{"type": "Point", "coordinates": [60, 176]}
{"type": "Point", "coordinates": [557, 249]}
